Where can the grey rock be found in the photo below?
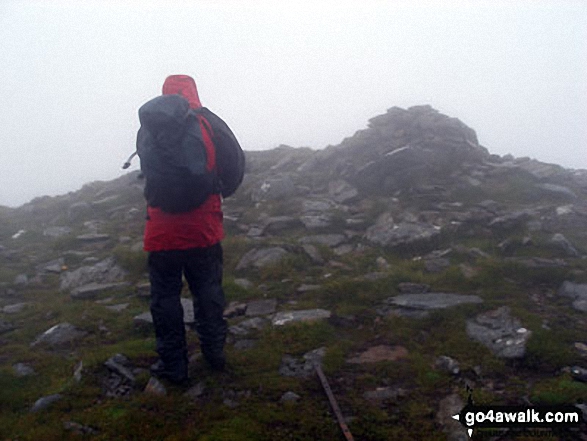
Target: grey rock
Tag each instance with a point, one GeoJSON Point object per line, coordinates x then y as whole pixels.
{"type": "Point", "coordinates": [502, 334]}
{"type": "Point", "coordinates": [59, 335]}
{"type": "Point", "coordinates": [235, 309]}
{"type": "Point", "coordinates": [432, 300]}
{"type": "Point", "coordinates": [573, 291]}
{"type": "Point", "coordinates": [561, 242]}
{"type": "Point", "coordinates": [274, 189]}
{"type": "Point", "coordinates": [290, 397]}
{"type": "Point", "coordinates": [580, 305]}
{"type": "Point", "coordinates": [307, 288]}
{"type": "Point", "coordinates": [56, 231]}
{"type": "Point", "coordinates": [579, 373]}
{"type": "Point", "coordinates": [243, 283]}
{"type": "Point", "coordinates": [196, 391]}
{"type": "Point", "coordinates": [243, 345]}
{"type": "Point", "coordinates": [245, 327]}
{"type": "Point", "coordinates": [313, 253]}
{"type": "Point", "coordinates": [301, 368]}
{"type": "Point", "coordinates": [154, 387]}
{"type": "Point", "coordinates": [79, 429]}
{"type": "Point", "coordinates": [449, 406]}
{"type": "Point", "coordinates": [260, 258]}
{"type": "Point", "coordinates": [144, 289]}
{"type": "Point", "coordinates": [314, 221]}
{"type": "Point", "coordinates": [317, 205]}
{"type": "Point", "coordinates": [119, 364]}
{"type": "Point", "coordinates": [105, 271]}
{"type": "Point", "coordinates": [144, 318]}
{"type": "Point", "coordinates": [386, 233]}
{"type": "Point", "coordinates": [261, 307]}
{"type": "Point", "coordinates": [94, 290]}
{"type": "Point", "coordinates": [44, 402]}
{"type": "Point", "coordinates": [447, 364]}
{"type": "Point", "coordinates": [341, 191]}
{"type": "Point", "coordinates": [344, 249]}
{"type": "Point", "coordinates": [93, 237]}
{"type": "Point", "coordinates": [15, 308]}
{"type": "Point", "coordinates": [330, 240]}
{"type": "Point", "coordinates": [557, 190]}
{"type": "Point", "coordinates": [23, 370]}
{"type": "Point", "coordinates": [436, 265]}
{"type": "Point", "coordinates": [537, 262]}
{"type": "Point", "coordinates": [282, 318]}
{"type": "Point", "coordinates": [118, 308]}
{"type": "Point", "coordinates": [511, 220]}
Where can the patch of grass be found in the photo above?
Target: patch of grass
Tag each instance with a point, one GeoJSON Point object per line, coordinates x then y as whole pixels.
{"type": "Point", "coordinates": [135, 262]}
{"type": "Point", "coordinates": [560, 390]}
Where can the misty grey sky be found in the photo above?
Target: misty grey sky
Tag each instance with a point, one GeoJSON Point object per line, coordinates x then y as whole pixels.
{"type": "Point", "coordinates": [302, 73]}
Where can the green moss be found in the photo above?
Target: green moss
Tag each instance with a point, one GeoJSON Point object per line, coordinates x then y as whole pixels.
{"type": "Point", "coordinates": [560, 390]}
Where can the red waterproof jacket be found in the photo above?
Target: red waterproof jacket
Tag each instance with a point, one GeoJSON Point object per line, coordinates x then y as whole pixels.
{"type": "Point", "coordinates": [201, 227]}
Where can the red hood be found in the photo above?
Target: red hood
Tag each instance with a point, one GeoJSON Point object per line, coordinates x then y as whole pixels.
{"type": "Point", "coordinates": [185, 86]}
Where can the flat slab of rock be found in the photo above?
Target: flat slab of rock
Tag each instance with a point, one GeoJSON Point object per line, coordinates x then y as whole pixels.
{"type": "Point", "coordinates": [385, 232]}
{"type": "Point", "coordinates": [260, 258]}
{"type": "Point", "coordinates": [45, 402]}
{"type": "Point", "coordinates": [380, 353]}
{"type": "Point", "coordinates": [432, 300]}
{"type": "Point", "coordinates": [501, 333]}
{"type": "Point", "coordinates": [15, 308]}
{"type": "Point", "coordinates": [94, 290]}
{"type": "Point", "coordinates": [308, 315]}
{"type": "Point", "coordinates": [261, 307]}
{"type": "Point", "coordinates": [105, 271]}
{"type": "Point", "coordinates": [59, 335]}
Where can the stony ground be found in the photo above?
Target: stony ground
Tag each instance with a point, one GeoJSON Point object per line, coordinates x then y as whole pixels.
{"type": "Point", "coordinates": [465, 278]}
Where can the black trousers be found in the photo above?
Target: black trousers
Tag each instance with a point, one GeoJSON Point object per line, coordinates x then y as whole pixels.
{"type": "Point", "coordinates": [202, 268]}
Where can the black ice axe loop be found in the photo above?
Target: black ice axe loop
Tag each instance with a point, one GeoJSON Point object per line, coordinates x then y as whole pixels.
{"type": "Point", "coordinates": [333, 403]}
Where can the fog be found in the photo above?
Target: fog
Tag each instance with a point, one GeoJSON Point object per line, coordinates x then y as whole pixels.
{"type": "Point", "coordinates": [73, 75]}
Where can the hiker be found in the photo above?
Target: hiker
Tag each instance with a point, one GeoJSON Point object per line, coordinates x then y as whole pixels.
{"type": "Point", "coordinates": [190, 160]}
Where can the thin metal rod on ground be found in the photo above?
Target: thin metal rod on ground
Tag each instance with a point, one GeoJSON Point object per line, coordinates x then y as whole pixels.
{"type": "Point", "coordinates": [333, 403]}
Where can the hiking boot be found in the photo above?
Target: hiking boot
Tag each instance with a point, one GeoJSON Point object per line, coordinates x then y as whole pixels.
{"type": "Point", "coordinates": [176, 376]}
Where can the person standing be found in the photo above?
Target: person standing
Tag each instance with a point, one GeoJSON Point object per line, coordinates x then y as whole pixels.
{"type": "Point", "coordinates": [190, 160]}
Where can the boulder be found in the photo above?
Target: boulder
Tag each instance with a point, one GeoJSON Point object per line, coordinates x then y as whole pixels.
{"type": "Point", "coordinates": [274, 189]}
{"type": "Point", "coordinates": [261, 307]}
{"type": "Point", "coordinates": [309, 315]}
{"type": "Point", "coordinates": [261, 257]}
{"type": "Point", "coordinates": [60, 335]}
{"type": "Point", "coordinates": [501, 333]}
{"type": "Point", "coordinates": [432, 300]}
{"type": "Point", "coordinates": [386, 233]}
{"type": "Point", "coordinates": [105, 271]}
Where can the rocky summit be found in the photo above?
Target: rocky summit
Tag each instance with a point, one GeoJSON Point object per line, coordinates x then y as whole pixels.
{"type": "Point", "coordinates": [412, 265]}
